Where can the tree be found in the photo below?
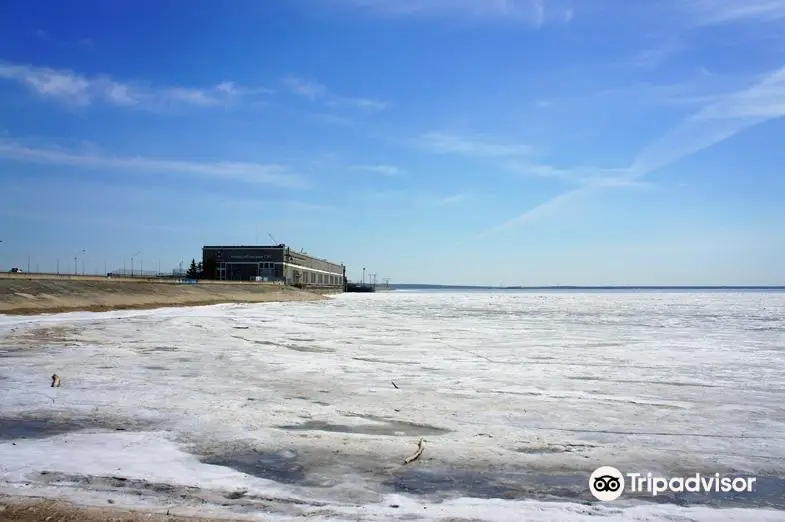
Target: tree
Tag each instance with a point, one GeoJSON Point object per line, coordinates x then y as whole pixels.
{"type": "Point", "coordinates": [193, 270]}
{"type": "Point", "coordinates": [199, 270]}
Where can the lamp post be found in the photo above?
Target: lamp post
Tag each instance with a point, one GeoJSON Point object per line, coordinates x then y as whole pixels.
{"type": "Point", "coordinates": [363, 275]}
{"type": "Point", "coordinates": [76, 259]}
{"type": "Point", "coordinates": [132, 262]}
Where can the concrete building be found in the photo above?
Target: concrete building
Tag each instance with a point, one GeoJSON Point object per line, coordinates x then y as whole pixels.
{"type": "Point", "coordinates": [270, 263]}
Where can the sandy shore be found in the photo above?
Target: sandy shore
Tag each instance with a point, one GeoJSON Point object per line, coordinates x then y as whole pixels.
{"type": "Point", "coordinates": [21, 295]}
{"type": "Point", "coordinates": [25, 509]}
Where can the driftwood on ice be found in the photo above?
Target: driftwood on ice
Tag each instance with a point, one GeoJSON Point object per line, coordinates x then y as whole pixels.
{"type": "Point", "coordinates": [416, 455]}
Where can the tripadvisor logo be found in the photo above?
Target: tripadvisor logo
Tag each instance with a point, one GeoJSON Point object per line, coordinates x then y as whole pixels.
{"type": "Point", "coordinates": [608, 483]}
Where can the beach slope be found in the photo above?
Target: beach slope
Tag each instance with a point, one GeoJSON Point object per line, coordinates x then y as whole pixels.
{"type": "Point", "coordinates": [30, 294]}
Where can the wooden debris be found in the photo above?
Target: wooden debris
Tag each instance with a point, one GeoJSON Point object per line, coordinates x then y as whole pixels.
{"type": "Point", "coordinates": [416, 455]}
{"type": "Point", "coordinates": [55, 381]}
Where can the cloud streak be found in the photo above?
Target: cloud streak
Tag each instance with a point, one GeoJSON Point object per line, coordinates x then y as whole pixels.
{"type": "Point", "coordinates": [315, 91]}
{"type": "Point", "coordinates": [384, 170]}
{"type": "Point", "coordinates": [453, 199]}
{"type": "Point", "coordinates": [711, 12]}
{"type": "Point", "coordinates": [532, 12]}
{"type": "Point", "coordinates": [277, 175]}
{"type": "Point", "coordinates": [479, 147]}
{"type": "Point", "coordinates": [83, 90]}
{"type": "Point", "coordinates": [716, 122]}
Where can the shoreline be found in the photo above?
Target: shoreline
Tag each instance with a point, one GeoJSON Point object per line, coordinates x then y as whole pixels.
{"type": "Point", "coordinates": [53, 295]}
{"type": "Point", "coordinates": [20, 508]}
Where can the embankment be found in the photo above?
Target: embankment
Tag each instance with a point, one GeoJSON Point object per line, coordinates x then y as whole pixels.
{"type": "Point", "coordinates": [31, 294]}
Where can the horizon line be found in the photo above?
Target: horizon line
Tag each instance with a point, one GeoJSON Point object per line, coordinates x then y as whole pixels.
{"type": "Point", "coordinates": [592, 287]}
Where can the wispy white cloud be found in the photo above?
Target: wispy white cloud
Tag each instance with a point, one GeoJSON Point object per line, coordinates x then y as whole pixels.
{"type": "Point", "coordinates": [550, 208]}
{"type": "Point", "coordinates": [578, 176]}
{"type": "Point", "coordinates": [278, 175]}
{"type": "Point", "coordinates": [709, 12]}
{"type": "Point", "coordinates": [698, 90]}
{"type": "Point", "coordinates": [476, 146]}
{"type": "Point", "coordinates": [453, 199]}
{"type": "Point", "coordinates": [384, 170]}
{"type": "Point", "coordinates": [534, 12]}
{"type": "Point", "coordinates": [315, 207]}
{"type": "Point", "coordinates": [367, 104]}
{"type": "Point", "coordinates": [315, 91]}
{"type": "Point", "coordinates": [334, 118]}
{"type": "Point", "coordinates": [656, 56]}
{"type": "Point", "coordinates": [83, 90]}
{"type": "Point", "coordinates": [306, 88]}
{"type": "Point", "coordinates": [717, 121]}
{"type": "Point", "coordinates": [517, 159]}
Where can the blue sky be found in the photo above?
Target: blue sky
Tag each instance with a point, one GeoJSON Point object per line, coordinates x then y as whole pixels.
{"type": "Point", "coordinates": [443, 141]}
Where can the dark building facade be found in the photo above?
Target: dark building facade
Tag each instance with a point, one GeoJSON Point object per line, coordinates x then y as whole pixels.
{"type": "Point", "coordinates": [270, 263]}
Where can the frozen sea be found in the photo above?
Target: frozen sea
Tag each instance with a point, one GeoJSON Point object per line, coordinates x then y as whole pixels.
{"type": "Point", "coordinates": [278, 411]}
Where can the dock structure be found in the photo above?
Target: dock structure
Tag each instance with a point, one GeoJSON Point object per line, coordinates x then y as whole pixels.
{"type": "Point", "coordinates": [271, 263]}
{"type": "Point", "coordinates": [360, 287]}
{"type": "Point", "coordinates": [370, 286]}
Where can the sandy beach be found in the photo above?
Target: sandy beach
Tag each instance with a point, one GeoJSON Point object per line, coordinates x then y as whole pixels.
{"type": "Point", "coordinates": [38, 294]}
{"type": "Point", "coordinates": [23, 509]}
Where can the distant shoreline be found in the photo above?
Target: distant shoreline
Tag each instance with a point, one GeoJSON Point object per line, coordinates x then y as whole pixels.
{"type": "Point", "coordinates": [460, 287]}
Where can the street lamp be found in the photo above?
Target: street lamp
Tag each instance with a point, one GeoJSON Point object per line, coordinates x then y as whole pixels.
{"type": "Point", "coordinates": [132, 262]}
{"type": "Point", "coordinates": [76, 258]}
{"type": "Point", "coordinates": [363, 275]}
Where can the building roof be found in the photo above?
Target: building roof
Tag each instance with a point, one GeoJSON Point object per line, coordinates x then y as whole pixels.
{"type": "Point", "coordinates": [281, 246]}
{"type": "Point", "coordinates": [226, 247]}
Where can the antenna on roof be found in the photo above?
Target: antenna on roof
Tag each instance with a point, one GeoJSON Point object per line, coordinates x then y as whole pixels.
{"type": "Point", "coordinates": [274, 241]}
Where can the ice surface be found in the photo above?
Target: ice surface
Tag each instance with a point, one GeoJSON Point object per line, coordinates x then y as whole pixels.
{"type": "Point", "coordinates": [289, 409]}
